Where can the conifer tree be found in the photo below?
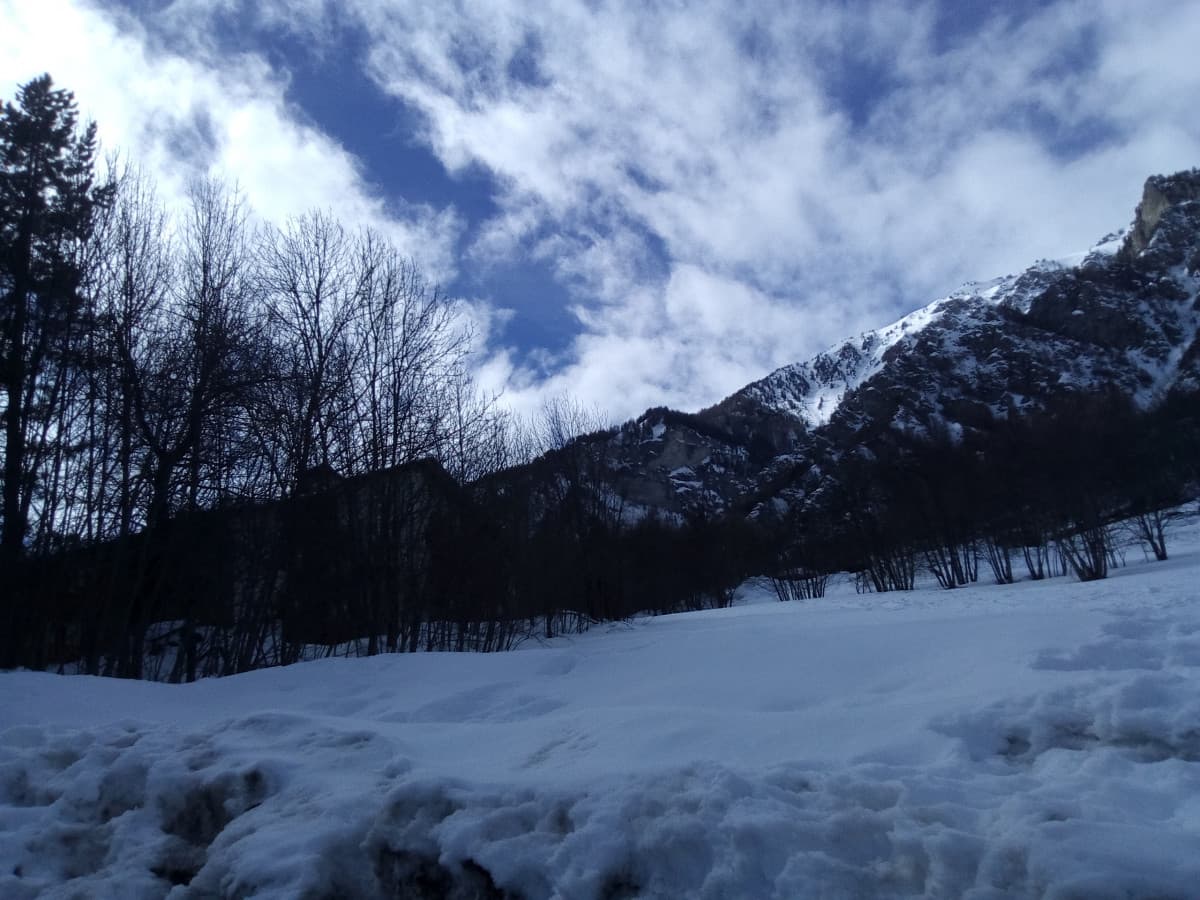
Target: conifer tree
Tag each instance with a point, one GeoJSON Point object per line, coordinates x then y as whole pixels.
{"type": "Point", "coordinates": [48, 199]}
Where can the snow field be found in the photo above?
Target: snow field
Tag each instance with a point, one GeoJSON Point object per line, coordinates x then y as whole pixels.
{"type": "Point", "coordinates": [1033, 740]}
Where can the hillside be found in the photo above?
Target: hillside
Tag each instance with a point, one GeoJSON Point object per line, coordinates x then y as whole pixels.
{"type": "Point", "coordinates": [1027, 740]}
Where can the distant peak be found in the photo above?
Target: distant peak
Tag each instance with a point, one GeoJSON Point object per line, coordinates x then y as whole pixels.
{"type": "Point", "coordinates": [1160, 193]}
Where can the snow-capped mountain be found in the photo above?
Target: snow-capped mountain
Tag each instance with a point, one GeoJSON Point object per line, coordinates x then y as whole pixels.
{"type": "Point", "coordinates": [1123, 316]}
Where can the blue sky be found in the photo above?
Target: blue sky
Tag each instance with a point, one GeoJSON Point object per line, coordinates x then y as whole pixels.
{"type": "Point", "coordinates": [647, 203]}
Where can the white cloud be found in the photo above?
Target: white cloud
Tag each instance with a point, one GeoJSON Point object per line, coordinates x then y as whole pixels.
{"type": "Point", "coordinates": [783, 221]}
{"type": "Point", "coordinates": [182, 117]}
{"type": "Point", "coordinates": [665, 345]}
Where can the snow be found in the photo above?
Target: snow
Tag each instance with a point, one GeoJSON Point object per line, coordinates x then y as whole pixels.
{"type": "Point", "coordinates": [814, 390]}
{"type": "Point", "coordinates": [1163, 373]}
{"type": "Point", "coordinates": [1038, 739]}
{"type": "Point", "coordinates": [1109, 245]}
{"type": "Point", "coordinates": [684, 479]}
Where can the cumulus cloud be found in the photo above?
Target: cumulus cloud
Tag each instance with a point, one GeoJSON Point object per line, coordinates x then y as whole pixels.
{"type": "Point", "coordinates": [722, 188]}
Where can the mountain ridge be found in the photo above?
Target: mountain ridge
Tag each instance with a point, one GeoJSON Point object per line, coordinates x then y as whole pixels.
{"type": "Point", "coordinates": [1123, 316]}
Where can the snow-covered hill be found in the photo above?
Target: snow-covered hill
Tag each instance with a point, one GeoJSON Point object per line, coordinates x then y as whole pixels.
{"type": "Point", "coordinates": [1031, 740]}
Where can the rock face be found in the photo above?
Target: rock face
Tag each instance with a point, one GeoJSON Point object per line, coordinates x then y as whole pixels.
{"type": "Point", "coordinates": [1160, 194]}
{"type": "Point", "coordinates": [1125, 316]}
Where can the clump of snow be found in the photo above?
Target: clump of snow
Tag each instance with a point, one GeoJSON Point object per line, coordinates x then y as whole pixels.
{"type": "Point", "coordinates": [1110, 244]}
{"type": "Point", "coordinates": [1038, 739]}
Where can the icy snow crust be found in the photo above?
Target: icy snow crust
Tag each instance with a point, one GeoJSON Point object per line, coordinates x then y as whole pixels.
{"type": "Point", "coordinates": [1039, 739]}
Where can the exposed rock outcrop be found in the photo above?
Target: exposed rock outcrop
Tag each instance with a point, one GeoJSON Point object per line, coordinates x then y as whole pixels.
{"type": "Point", "coordinates": [1160, 194]}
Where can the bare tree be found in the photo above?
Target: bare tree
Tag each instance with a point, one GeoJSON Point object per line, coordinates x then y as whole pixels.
{"type": "Point", "coordinates": [315, 296]}
{"type": "Point", "coordinates": [199, 355]}
{"type": "Point", "coordinates": [1150, 527]}
{"type": "Point", "coordinates": [133, 293]}
{"type": "Point", "coordinates": [412, 396]}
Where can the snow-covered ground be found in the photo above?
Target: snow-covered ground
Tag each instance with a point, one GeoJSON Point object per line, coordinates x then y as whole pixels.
{"type": "Point", "coordinates": [1039, 739]}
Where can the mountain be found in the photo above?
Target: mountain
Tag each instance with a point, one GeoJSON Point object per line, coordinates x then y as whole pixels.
{"type": "Point", "coordinates": [1122, 317]}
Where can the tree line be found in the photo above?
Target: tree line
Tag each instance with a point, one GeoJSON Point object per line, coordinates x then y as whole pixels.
{"type": "Point", "coordinates": [231, 444]}
{"type": "Point", "coordinates": [1045, 490]}
{"type": "Point", "coordinates": [157, 364]}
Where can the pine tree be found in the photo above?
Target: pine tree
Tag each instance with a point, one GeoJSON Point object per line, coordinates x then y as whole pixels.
{"type": "Point", "coordinates": [48, 200]}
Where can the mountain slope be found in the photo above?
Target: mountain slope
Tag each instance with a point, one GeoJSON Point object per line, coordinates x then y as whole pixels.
{"type": "Point", "coordinates": [1122, 317]}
